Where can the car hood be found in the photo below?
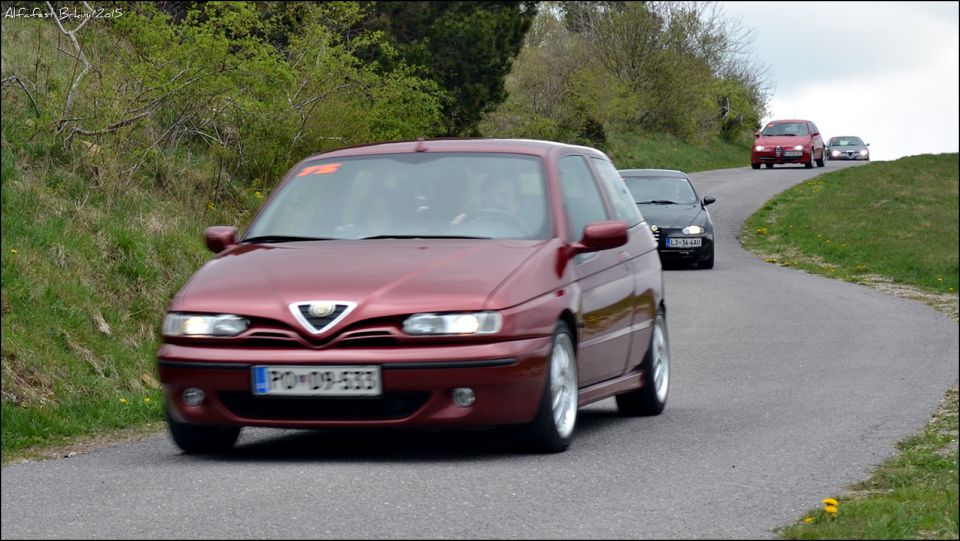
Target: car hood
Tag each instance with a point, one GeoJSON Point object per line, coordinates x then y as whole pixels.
{"type": "Point", "coordinates": [670, 216]}
{"type": "Point", "coordinates": [384, 277]}
{"type": "Point", "coordinates": [782, 141]}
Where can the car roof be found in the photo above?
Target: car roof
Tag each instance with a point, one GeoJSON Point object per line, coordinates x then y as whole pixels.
{"type": "Point", "coordinates": [781, 121]}
{"type": "Point", "coordinates": [844, 137]}
{"type": "Point", "coordinates": [533, 147]}
{"type": "Point", "coordinates": [653, 173]}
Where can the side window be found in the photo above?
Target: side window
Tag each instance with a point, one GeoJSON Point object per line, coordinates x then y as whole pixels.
{"type": "Point", "coordinates": [813, 128]}
{"type": "Point", "coordinates": [624, 207]}
{"type": "Point", "coordinates": [581, 199]}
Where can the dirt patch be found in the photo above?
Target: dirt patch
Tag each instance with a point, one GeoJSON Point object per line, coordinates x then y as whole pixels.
{"type": "Point", "coordinates": [88, 444]}
{"type": "Point", "coordinates": [943, 302]}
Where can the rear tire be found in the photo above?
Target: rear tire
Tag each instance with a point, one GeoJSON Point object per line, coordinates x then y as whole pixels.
{"type": "Point", "coordinates": [651, 399]}
{"type": "Point", "coordinates": [755, 165]}
{"type": "Point", "coordinates": [810, 164]}
{"type": "Point", "coordinates": [552, 430]}
{"type": "Point", "coordinates": [202, 439]}
{"type": "Point", "coordinates": [823, 158]}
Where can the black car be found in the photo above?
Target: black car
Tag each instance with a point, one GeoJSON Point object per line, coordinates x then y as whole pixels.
{"type": "Point", "coordinates": [676, 214]}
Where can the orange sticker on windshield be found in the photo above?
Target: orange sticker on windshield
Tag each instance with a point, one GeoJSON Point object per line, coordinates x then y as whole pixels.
{"type": "Point", "coordinates": [324, 169]}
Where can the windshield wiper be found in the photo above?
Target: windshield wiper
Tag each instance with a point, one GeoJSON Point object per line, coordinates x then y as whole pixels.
{"type": "Point", "coordinates": [658, 202]}
{"type": "Point", "coordinates": [421, 237]}
{"type": "Point", "coordinates": [270, 239]}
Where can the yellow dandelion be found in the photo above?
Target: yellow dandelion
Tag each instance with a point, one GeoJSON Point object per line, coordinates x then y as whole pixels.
{"type": "Point", "coordinates": [13, 251]}
{"type": "Point", "coordinates": [808, 520]}
{"type": "Point", "coordinates": [832, 509]}
{"type": "Point", "coordinates": [258, 195]}
{"type": "Point", "coordinates": [829, 501]}
{"type": "Point", "coordinates": [211, 206]}
{"type": "Point", "coordinates": [123, 400]}
{"type": "Point", "coordinates": [146, 399]}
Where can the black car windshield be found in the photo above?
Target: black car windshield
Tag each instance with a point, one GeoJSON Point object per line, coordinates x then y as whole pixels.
{"type": "Point", "coordinates": [413, 195]}
{"type": "Point", "coordinates": [661, 190]}
{"type": "Point", "coordinates": [846, 142]}
{"type": "Point", "coordinates": [786, 128]}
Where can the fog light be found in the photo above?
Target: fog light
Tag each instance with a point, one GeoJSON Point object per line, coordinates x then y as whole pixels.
{"type": "Point", "coordinates": [463, 396]}
{"type": "Point", "coordinates": [193, 396]}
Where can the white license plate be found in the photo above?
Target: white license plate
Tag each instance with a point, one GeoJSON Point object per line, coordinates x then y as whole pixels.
{"type": "Point", "coordinates": [683, 243]}
{"type": "Point", "coordinates": [793, 153]}
{"type": "Point", "coordinates": [317, 380]}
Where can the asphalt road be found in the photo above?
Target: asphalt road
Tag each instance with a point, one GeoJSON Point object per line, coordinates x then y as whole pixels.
{"type": "Point", "coordinates": [786, 387]}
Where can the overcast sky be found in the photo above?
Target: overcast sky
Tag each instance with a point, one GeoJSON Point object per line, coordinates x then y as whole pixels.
{"type": "Point", "coordinates": [884, 71]}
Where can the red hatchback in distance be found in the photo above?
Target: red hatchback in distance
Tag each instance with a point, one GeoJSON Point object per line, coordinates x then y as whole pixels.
{"type": "Point", "coordinates": [788, 141]}
{"type": "Point", "coordinates": [448, 283]}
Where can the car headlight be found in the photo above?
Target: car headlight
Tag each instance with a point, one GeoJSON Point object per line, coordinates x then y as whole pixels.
{"type": "Point", "coordinates": [463, 323]}
{"type": "Point", "coordinates": [758, 148]}
{"type": "Point", "coordinates": [177, 324]}
{"type": "Point", "coordinates": [692, 230]}
{"type": "Point", "coordinates": [798, 147]}
{"type": "Point", "coordinates": [835, 153]}
{"type": "Point", "coordinates": [863, 152]}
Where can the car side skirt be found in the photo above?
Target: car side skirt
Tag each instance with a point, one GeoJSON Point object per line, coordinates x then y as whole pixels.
{"type": "Point", "coordinates": [606, 389]}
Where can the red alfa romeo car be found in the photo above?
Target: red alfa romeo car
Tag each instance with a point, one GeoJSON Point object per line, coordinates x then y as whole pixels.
{"type": "Point", "coordinates": [447, 283]}
{"type": "Point", "coordinates": [788, 141]}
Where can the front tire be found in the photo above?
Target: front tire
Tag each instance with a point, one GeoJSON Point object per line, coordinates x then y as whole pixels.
{"type": "Point", "coordinates": [769, 165]}
{"type": "Point", "coordinates": [202, 439]}
{"type": "Point", "coordinates": [651, 399]}
{"type": "Point", "coordinates": [755, 165]}
{"type": "Point", "coordinates": [552, 430]}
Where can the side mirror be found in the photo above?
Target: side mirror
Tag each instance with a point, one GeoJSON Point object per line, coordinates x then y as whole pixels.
{"type": "Point", "coordinates": [707, 200]}
{"type": "Point", "coordinates": [601, 236]}
{"type": "Point", "coordinates": [756, 134]}
{"type": "Point", "coordinates": [220, 237]}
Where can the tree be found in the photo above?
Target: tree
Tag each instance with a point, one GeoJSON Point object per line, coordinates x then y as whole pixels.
{"type": "Point", "coordinates": [466, 47]}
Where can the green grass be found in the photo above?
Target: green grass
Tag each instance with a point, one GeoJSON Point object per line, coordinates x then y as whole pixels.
{"type": "Point", "coordinates": [633, 151]}
{"type": "Point", "coordinates": [893, 221]}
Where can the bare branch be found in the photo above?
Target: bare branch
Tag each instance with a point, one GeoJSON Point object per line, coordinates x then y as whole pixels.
{"type": "Point", "coordinates": [72, 34]}
{"type": "Point", "coordinates": [17, 80]}
{"type": "Point", "coordinates": [113, 127]}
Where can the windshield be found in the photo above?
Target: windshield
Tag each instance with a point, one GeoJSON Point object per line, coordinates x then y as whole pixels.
{"type": "Point", "coordinates": [786, 128]}
{"type": "Point", "coordinates": [413, 195]}
{"type": "Point", "coordinates": [661, 190]}
{"type": "Point", "coordinates": [846, 142]}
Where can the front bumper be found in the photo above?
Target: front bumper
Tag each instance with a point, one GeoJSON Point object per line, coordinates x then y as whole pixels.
{"type": "Point", "coordinates": [771, 155]}
{"type": "Point", "coordinates": [855, 156]}
{"type": "Point", "coordinates": [417, 382]}
{"type": "Point", "coordinates": [690, 255]}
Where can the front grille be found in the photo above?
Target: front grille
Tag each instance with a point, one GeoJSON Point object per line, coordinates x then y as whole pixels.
{"type": "Point", "coordinates": [778, 151]}
{"type": "Point", "coordinates": [320, 322]}
{"type": "Point", "coordinates": [395, 405]}
{"type": "Point", "coordinates": [656, 235]}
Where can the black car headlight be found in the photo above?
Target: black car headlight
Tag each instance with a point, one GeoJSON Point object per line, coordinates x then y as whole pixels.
{"type": "Point", "coordinates": [179, 324]}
